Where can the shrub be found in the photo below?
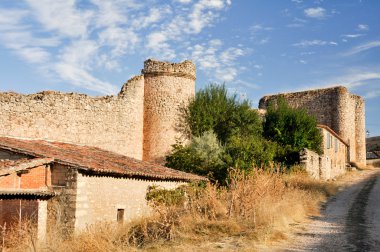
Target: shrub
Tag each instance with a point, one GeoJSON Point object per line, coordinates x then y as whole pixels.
{"type": "Point", "coordinates": [203, 156]}
{"type": "Point", "coordinates": [293, 129]}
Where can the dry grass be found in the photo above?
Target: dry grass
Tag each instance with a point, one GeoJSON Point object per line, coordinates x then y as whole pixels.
{"type": "Point", "coordinates": [258, 207]}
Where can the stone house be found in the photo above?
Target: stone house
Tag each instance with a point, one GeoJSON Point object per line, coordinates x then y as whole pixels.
{"type": "Point", "coordinates": [334, 157]}
{"type": "Point", "coordinates": [74, 186]}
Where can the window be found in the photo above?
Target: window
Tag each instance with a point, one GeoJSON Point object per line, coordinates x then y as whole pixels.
{"type": "Point", "coordinates": [336, 145]}
{"type": "Point", "coordinates": [328, 140]}
{"type": "Point", "coordinates": [120, 215]}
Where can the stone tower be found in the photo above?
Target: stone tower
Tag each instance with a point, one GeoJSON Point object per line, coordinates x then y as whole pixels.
{"type": "Point", "coordinates": [168, 86]}
{"type": "Point", "coordinates": [337, 108]}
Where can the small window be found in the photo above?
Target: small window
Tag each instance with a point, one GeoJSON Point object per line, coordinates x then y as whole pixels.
{"type": "Point", "coordinates": [120, 215]}
{"type": "Point", "coordinates": [336, 145]}
{"type": "Point", "coordinates": [328, 141]}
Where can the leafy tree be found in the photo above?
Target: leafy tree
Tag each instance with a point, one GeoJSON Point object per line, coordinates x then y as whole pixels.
{"type": "Point", "coordinates": [293, 129]}
{"type": "Point", "coordinates": [213, 109]}
{"type": "Point", "coordinates": [237, 130]}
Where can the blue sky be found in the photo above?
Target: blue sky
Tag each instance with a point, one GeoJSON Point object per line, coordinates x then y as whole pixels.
{"type": "Point", "coordinates": [254, 47]}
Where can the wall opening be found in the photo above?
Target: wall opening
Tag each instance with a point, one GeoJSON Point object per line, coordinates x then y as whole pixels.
{"type": "Point", "coordinates": [120, 215]}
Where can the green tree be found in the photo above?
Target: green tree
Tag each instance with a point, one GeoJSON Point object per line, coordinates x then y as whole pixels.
{"type": "Point", "coordinates": [213, 109]}
{"type": "Point", "coordinates": [237, 129]}
{"type": "Point", "coordinates": [293, 129]}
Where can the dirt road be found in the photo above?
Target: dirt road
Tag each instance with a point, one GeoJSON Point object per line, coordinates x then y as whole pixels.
{"type": "Point", "coordinates": [350, 221]}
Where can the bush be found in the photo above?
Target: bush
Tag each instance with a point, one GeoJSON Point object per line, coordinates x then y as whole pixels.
{"type": "Point", "coordinates": [293, 129]}
{"type": "Point", "coordinates": [204, 156]}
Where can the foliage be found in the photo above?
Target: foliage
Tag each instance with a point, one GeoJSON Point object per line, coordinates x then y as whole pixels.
{"type": "Point", "coordinates": [159, 195]}
{"type": "Point", "coordinates": [236, 140]}
{"type": "Point", "coordinates": [203, 156]}
{"type": "Point", "coordinates": [224, 114]}
{"type": "Point", "coordinates": [293, 129]}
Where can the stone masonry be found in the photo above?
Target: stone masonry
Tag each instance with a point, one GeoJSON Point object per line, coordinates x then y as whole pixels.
{"type": "Point", "coordinates": [138, 122]}
{"type": "Point", "coordinates": [336, 108]}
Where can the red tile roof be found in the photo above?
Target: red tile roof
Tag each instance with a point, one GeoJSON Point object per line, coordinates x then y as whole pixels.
{"type": "Point", "coordinates": [26, 194]}
{"type": "Point", "coordinates": [21, 164]}
{"type": "Point", "coordinates": [332, 132]}
{"type": "Point", "coordinates": [95, 160]}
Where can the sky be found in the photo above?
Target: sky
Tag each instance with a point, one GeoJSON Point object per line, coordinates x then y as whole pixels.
{"type": "Point", "coordinates": [254, 47]}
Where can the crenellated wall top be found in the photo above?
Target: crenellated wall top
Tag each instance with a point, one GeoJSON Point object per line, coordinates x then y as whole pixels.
{"type": "Point", "coordinates": [184, 69]}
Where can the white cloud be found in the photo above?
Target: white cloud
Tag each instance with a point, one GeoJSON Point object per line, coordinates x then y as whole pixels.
{"type": "Point", "coordinates": [354, 79]}
{"type": "Point", "coordinates": [119, 39]}
{"type": "Point", "coordinates": [72, 41]}
{"type": "Point", "coordinates": [357, 35]}
{"type": "Point", "coordinates": [258, 27]}
{"type": "Point", "coordinates": [183, 1]}
{"type": "Point", "coordinates": [202, 14]}
{"type": "Point", "coordinates": [61, 16]}
{"type": "Point", "coordinates": [230, 55]}
{"type": "Point", "coordinates": [363, 27]}
{"type": "Point", "coordinates": [316, 42]}
{"type": "Point", "coordinates": [297, 22]}
{"type": "Point", "coordinates": [303, 62]}
{"type": "Point", "coordinates": [33, 54]}
{"type": "Point", "coordinates": [372, 94]}
{"type": "Point", "coordinates": [363, 47]}
{"type": "Point", "coordinates": [317, 12]}
{"type": "Point", "coordinates": [220, 64]}
{"type": "Point", "coordinates": [82, 78]}
{"type": "Point", "coordinates": [297, 1]}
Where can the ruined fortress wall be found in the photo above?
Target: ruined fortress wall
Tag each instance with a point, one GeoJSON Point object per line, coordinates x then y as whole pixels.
{"type": "Point", "coordinates": [112, 122]}
{"type": "Point", "coordinates": [167, 88]}
{"type": "Point", "coordinates": [336, 108]}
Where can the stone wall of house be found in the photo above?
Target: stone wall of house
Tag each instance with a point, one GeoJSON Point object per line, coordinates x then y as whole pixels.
{"type": "Point", "coordinates": [100, 197]}
{"type": "Point", "coordinates": [336, 108]}
{"type": "Point", "coordinates": [61, 208]}
{"type": "Point", "coordinates": [114, 123]}
{"type": "Point", "coordinates": [335, 155]}
{"type": "Point", "coordinates": [168, 87]}
{"type": "Point", "coordinates": [310, 160]}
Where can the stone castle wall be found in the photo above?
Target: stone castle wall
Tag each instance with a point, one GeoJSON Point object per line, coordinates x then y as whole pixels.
{"type": "Point", "coordinates": [114, 123]}
{"type": "Point", "coordinates": [336, 108]}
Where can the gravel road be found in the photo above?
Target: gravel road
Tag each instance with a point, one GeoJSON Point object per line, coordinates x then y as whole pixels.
{"type": "Point", "coordinates": [349, 221]}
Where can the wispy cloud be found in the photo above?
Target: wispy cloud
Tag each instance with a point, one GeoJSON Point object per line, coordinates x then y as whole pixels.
{"type": "Point", "coordinates": [362, 47]}
{"type": "Point", "coordinates": [357, 35]}
{"type": "Point", "coordinates": [358, 79]}
{"type": "Point", "coordinates": [363, 27]}
{"type": "Point", "coordinates": [317, 12]}
{"type": "Point", "coordinates": [71, 40]}
{"type": "Point", "coordinates": [297, 22]}
{"type": "Point", "coordinates": [315, 42]}
{"type": "Point", "coordinates": [219, 63]}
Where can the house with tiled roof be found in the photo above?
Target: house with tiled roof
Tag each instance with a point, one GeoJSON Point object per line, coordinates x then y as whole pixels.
{"type": "Point", "coordinates": [53, 183]}
{"type": "Point", "coordinates": [333, 159]}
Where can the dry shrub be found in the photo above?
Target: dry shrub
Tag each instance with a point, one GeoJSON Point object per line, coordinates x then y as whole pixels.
{"type": "Point", "coordinates": [258, 205]}
{"type": "Point", "coordinates": [22, 236]}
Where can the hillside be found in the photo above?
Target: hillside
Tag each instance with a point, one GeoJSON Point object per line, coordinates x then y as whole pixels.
{"type": "Point", "coordinates": [373, 143]}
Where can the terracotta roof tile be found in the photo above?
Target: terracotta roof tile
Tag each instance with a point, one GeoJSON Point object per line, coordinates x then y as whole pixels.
{"type": "Point", "coordinates": [22, 164]}
{"type": "Point", "coordinates": [93, 159]}
{"type": "Point", "coordinates": [332, 132]}
{"type": "Point", "coordinates": [26, 194]}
